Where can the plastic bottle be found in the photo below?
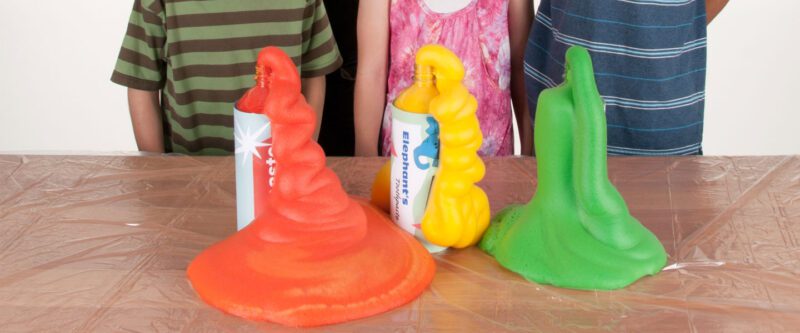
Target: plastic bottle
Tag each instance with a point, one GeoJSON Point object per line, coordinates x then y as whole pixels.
{"type": "Point", "coordinates": [316, 256]}
{"type": "Point", "coordinates": [415, 153]}
{"type": "Point", "coordinates": [255, 165]}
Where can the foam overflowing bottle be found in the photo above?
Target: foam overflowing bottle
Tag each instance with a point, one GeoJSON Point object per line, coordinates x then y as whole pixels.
{"type": "Point", "coordinates": [457, 213]}
{"type": "Point", "coordinates": [255, 165]}
{"type": "Point", "coordinates": [435, 165]}
{"type": "Point", "coordinates": [315, 255]}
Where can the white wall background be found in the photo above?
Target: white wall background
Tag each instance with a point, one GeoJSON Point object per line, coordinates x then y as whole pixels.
{"type": "Point", "coordinates": [753, 79]}
{"type": "Point", "coordinates": [56, 58]}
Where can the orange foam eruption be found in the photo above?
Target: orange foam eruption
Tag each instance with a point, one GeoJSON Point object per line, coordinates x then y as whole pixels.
{"type": "Point", "coordinates": [314, 256]}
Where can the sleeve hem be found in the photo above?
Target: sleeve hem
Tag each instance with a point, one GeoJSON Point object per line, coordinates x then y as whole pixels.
{"type": "Point", "coordinates": [134, 82]}
{"type": "Point", "coordinates": [332, 67]}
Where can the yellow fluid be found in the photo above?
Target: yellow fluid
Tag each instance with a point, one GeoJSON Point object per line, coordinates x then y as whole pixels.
{"type": "Point", "coordinates": [457, 214]}
{"type": "Point", "coordinates": [414, 99]}
{"type": "Point", "coordinates": [417, 98]}
{"type": "Point", "coordinates": [381, 193]}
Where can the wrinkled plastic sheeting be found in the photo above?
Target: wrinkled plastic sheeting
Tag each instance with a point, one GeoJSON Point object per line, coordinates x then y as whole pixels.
{"type": "Point", "coordinates": [102, 244]}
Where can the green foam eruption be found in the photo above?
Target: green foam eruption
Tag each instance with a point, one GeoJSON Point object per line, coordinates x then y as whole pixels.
{"type": "Point", "coordinates": [576, 232]}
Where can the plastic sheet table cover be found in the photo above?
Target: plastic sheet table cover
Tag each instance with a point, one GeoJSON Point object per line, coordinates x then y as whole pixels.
{"type": "Point", "coordinates": [92, 243]}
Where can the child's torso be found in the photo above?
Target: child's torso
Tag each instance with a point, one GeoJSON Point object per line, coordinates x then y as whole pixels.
{"type": "Point", "coordinates": [478, 34]}
{"type": "Point", "coordinates": [649, 58]}
{"type": "Point", "coordinates": [210, 53]}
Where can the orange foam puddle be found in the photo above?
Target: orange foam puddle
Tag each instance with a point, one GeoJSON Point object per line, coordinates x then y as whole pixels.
{"type": "Point", "coordinates": [313, 283]}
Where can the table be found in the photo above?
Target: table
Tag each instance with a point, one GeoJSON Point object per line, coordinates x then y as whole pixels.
{"type": "Point", "coordinates": [101, 243]}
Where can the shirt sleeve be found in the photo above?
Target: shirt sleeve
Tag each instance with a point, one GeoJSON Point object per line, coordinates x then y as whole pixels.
{"type": "Point", "coordinates": [320, 53]}
{"type": "Point", "coordinates": [141, 62]}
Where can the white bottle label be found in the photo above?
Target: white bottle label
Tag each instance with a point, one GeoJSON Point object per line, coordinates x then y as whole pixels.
{"type": "Point", "coordinates": [255, 165]}
{"type": "Point", "coordinates": [415, 159]}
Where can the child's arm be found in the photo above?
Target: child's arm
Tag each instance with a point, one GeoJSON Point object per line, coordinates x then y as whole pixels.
{"type": "Point", "coordinates": [146, 119]}
{"type": "Point", "coordinates": [314, 92]}
{"type": "Point", "coordinates": [520, 15]}
{"type": "Point", "coordinates": [713, 7]}
{"type": "Point", "coordinates": [320, 57]}
{"type": "Point", "coordinates": [141, 68]}
{"type": "Point", "coordinates": [370, 89]}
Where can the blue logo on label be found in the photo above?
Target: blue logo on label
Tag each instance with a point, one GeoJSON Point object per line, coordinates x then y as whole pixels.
{"type": "Point", "coordinates": [430, 147]}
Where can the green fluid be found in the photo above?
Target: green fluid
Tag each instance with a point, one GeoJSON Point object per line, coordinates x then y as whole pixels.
{"type": "Point", "coordinates": [576, 232]}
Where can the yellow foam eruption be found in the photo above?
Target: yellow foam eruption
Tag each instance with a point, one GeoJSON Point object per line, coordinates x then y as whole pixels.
{"type": "Point", "coordinates": [458, 211]}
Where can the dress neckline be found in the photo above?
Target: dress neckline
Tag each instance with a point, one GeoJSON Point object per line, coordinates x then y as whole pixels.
{"type": "Point", "coordinates": [429, 11]}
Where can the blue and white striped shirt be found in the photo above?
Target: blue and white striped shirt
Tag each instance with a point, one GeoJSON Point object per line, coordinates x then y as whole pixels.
{"type": "Point", "coordinates": [650, 61]}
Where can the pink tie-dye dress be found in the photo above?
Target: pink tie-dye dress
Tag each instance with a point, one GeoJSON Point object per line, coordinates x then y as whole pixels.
{"type": "Point", "coordinates": [478, 34]}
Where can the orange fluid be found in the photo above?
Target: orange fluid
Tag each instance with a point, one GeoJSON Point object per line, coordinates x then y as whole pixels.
{"type": "Point", "coordinates": [253, 100]}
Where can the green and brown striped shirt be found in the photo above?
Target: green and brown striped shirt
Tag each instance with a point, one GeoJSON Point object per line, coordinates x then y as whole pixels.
{"type": "Point", "coordinates": [201, 54]}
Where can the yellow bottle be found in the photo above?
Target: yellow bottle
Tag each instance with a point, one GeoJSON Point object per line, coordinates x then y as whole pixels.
{"type": "Point", "coordinates": [457, 214]}
{"type": "Point", "coordinates": [414, 99]}
{"type": "Point", "coordinates": [414, 155]}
